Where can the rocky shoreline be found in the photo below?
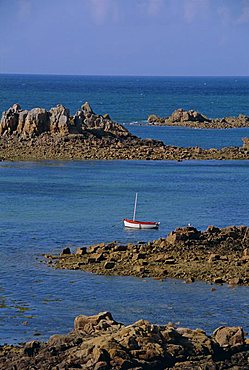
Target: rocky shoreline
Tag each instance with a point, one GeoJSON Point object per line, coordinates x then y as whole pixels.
{"type": "Point", "coordinates": [76, 147]}
{"type": "Point", "coordinates": [101, 343]}
{"type": "Point", "coordinates": [194, 119]}
{"type": "Point", "coordinates": [216, 255]}
{"type": "Point", "coordinates": [56, 135]}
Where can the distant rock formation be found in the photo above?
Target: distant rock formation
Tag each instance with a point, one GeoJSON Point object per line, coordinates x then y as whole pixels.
{"type": "Point", "coordinates": [192, 118]}
{"type": "Point", "coordinates": [181, 115]}
{"type": "Point", "coordinates": [38, 134]}
{"type": "Point", "coordinates": [57, 121]}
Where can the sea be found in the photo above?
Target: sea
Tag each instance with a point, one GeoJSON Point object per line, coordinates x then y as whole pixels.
{"type": "Point", "coordinates": [46, 206]}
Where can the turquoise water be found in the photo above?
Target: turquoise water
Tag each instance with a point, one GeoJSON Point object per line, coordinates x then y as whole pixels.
{"type": "Point", "coordinates": [46, 206]}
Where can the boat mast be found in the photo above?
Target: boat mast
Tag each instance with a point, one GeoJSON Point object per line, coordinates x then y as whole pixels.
{"type": "Point", "coordinates": [135, 208]}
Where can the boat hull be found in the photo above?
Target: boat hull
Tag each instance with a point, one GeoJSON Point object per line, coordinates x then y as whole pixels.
{"type": "Point", "coordinates": [140, 224]}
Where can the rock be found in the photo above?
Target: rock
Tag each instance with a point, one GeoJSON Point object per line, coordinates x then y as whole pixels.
{"type": "Point", "coordinates": [218, 280]}
{"type": "Point", "coordinates": [21, 120]}
{"type": "Point", "coordinates": [181, 234]}
{"type": "Point", "coordinates": [229, 336]}
{"type": "Point", "coordinates": [235, 281]}
{"type": "Point", "coordinates": [89, 324]}
{"type": "Point", "coordinates": [181, 115]}
{"type": "Point", "coordinates": [42, 135]}
{"type": "Point", "coordinates": [98, 342]}
{"type": "Point", "coordinates": [109, 265]}
{"type": "Point", "coordinates": [196, 342]}
{"type": "Point", "coordinates": [80, 251]}
{"type": "Point", "coordinates": [212, 229]}
{"type": "Point", "coordinates": [93, 248]}
{"type": "Point", "coordinates": [213, 257]}
{"type": "Point", "coordinates": [98, 257]}
{"type": "Point", "coordinates": [139, 256]}
{"type": "Point", "coordinates": [192, 118]}
{"type": "Point", "coordinates": [9, 120]}
{"type": "Point", "coordinates": [186, 253]}
{"type": "Point", "coordinates": [245, 252]}
{"type": "Point", "coordinates": [169, 261]}
{"type": "Point", "coordinates": [36, 122]}
{"type": "Point", "coordinates": [153, 118]}
{"type": "Point", "coordinates": [65, 251]}
{"type": "Point", "coordinates": [59, 120]}
{"type": "Point", "coordinates": [31, 348]}
{"type": "Point", "coordinates": [101, 365]}
{"type": "Point", "coordinates": [190, 280]}
{"type": "Point", "coordinates": [87, 108]}
{"type": "Point", "coordinates": [245, 143]}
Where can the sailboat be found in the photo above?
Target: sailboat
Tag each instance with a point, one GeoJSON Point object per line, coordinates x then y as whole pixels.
{"type": "Point", "coordinates": [134, 224]}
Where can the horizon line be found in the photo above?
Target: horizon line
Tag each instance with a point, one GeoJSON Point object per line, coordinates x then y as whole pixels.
{"type": "Point", "coordinates": [115, 75]}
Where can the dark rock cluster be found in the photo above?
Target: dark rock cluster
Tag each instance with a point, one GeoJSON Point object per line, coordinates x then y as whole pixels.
{"type": "Point", "coordinates": [191, 118]}
{"type": "Point", "coordinates": [217, 255]}
{"type": "Point", "coordinates": [100, 343]}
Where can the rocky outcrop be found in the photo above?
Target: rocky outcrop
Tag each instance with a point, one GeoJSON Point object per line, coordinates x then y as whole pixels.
{"type": "Point", "coordinates": [9, 121]}
{"type": "Point", "coordinates": [100, 343]}
{"type": "Point", "coordinates": [181, 115]}
{"type": "Point", "coordinates": [36, 122]}
{"type": "Point", "coordinates": [57, 121]}
{"type": "Point", "coordinates": [191, 118]}
{"type": "Point", "coordinates": [100, 125]}
{"type": "Point", "coordinates": [218, 255]}
{"type": "Point", "coordinates": [55, 135]}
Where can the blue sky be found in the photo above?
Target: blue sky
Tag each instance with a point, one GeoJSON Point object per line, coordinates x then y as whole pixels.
{"type": "Point", "coordinates": [125, 37]}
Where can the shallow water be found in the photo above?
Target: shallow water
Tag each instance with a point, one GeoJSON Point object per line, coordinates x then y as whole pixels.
{"type": "Point", "coordinates": [46, 206]}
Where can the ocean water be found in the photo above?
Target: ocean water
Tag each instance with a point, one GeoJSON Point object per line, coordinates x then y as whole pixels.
{"type": "Point", "coordinates": [46, 206]}
{"type": "Point", "coordinates": [185, 136]}
{"type": "Point", "coordinates": [132, 99]}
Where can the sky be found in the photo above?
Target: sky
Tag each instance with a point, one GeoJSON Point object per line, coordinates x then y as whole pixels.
{"type": "Point", "coordinates": [125, 37]}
